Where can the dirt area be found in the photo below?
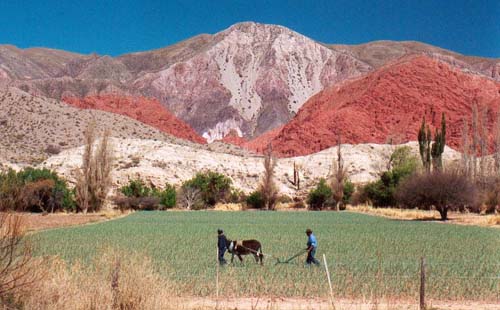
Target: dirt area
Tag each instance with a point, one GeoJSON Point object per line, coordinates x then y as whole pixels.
{"type": "Point", "coordinates": [318, 304]}
{"type": "Point", "coordinates": [37, 221]}
{"type": "Point", "coordinates": [491, 220]}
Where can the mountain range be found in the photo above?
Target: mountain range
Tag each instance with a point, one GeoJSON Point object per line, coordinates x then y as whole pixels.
{"type": "Point", "coordinates": [252, 84]}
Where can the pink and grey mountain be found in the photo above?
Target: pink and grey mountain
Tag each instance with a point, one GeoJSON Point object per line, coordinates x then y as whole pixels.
{"type": "Point", "coordinates": [248, 79]}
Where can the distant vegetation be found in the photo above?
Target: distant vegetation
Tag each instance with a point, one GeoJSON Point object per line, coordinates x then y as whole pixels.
{"type": "Point", "coordinates": [381, 193]}
{"type": "Point", "coordinates": [212, 187]}
{"type": "Point", "coordinates": [35, 190]}
{"type": "Point", "coordinates": [473, 185]}
{"type": "Point", "coordinates": [408, 182]}
{"type": "Point", "coordinates": [320, 196]}
{"type": "Point", "coordinates": [255, 200]}
{"type": "Point", "coordinates": [138, 196]}
{"type": "Point", "coordinates": [443, 190]}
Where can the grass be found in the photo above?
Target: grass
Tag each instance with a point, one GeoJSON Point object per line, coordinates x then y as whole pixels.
{"type": "Point", "coordinates": [369, 257]}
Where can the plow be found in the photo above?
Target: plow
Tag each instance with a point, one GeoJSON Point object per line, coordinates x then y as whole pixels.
{"type": "Point", "coordinates": [278, 259]}
{"type": "Point", "coordinates": [290, 259]}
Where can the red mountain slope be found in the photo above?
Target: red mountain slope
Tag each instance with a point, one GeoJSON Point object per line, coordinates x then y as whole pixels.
{"type": "Point", "coordinates": [386, 105]}
{"type": "Point", "coordinates": [261, 143]}
{"type": "Point", "coordinates": [233, 138]}
{"type": "Point", "coordinates": [145, 110]}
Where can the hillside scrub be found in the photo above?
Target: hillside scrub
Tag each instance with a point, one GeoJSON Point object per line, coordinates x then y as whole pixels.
{"type": "Point", "coordinates": [35, 190]}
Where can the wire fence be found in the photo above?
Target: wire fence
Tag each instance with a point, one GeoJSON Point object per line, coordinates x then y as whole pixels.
{"type": "Point", "coordinates": [416, 281]}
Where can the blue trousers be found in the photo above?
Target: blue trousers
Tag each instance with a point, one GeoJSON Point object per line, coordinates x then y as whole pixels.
{"type": "Point", "coordinates": [222, 260]}
{"type": "Point", "coordinates": [310, 257]}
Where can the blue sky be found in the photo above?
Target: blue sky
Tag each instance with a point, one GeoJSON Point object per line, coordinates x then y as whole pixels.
{"type": "Point", "coordinates": [118, 27]}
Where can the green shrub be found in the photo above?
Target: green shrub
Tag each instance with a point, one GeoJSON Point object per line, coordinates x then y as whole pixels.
{"type": "Point", "coordinates": [213, 186]}
{"type": "Point", "coordinates": [404, 161]}
{"type": "Point", "coordinates": [348, 191]}
{"type": "Point", "coordinates": [381, 193]}
{"type": "Point", "coordinates": [319, 196]}
{"type": "Point", "coordinates": [237, 196]}
{"type": "Point", "coordinates": [168, 196]}
{"type": "Point", "coordinates": [11, 187]}
{"type": "Point", "coordinates": [136, 188]}
{"type": "Point", "coordinates": [255, 200]}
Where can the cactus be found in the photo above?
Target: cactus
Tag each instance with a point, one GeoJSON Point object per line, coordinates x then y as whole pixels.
{"type": "Point", "coordinates": [296, 177]}
{"type": "Point", "coordinates": [438, 146]}
{"type": "Point", "coordinates": [424, 143]}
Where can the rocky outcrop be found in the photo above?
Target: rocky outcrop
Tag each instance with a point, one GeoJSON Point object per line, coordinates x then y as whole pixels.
{"type": "Point", "coordinates": [387, 106]}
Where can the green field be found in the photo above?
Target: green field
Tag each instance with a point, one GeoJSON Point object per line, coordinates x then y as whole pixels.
{"type": "Point", "coordinates": [368, 256]}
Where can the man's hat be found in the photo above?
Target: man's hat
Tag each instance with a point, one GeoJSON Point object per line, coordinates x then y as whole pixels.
{"type": "Point", "coordinates": [220, 231]}
{"type": "Point", "coordinates": [309, 231]}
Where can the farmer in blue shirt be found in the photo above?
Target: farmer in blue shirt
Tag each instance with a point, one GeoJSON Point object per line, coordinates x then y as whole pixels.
{"type": "Point", "coordinates": [222, 246]}
{"type": "Point", "coordinates": [312, 245]}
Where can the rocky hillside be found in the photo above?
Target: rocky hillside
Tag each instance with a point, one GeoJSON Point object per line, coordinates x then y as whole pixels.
{"type": "Point", "coordinates": [388, 106]}
{"type": "Point", "coordinates": [147, 111]}
{"type": "Point", "coordinates": [34, 128]}
{"type": "Point", "coordinates": [159, 162]}
{"type": "Point", "coordinates": [249, 78]}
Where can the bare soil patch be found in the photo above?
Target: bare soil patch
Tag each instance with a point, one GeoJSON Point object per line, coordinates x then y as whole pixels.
{"type": "Point", "coordinates": [37, 221]}
{"type": "Point", "coordinates": [318, 304]}
{"type": "Point", "coordinates": [491, 220]}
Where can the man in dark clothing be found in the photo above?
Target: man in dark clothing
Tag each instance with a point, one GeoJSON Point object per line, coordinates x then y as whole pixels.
{"type": "Point", "coordinates": [312, 245]}
{"type": "Point", "coordinates": [222, 246]}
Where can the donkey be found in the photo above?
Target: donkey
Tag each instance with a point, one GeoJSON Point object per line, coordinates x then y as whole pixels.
{"type": "Point", "coordinates": [245, 247]}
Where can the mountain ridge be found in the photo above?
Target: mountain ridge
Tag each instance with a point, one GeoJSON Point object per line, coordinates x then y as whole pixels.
{"type": "Point", "coordinates": [387, 104]}
{"type": "Point", "coordinates": [249, 78]}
